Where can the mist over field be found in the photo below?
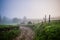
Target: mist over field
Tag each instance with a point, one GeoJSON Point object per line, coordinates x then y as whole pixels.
{"type": "Point", "coordinates": [33, 10]}
{"type": "Point", "coordinates": [29, 19]}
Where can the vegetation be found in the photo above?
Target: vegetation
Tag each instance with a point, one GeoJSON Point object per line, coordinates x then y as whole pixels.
{"type": "Point", "coordinates": [29, 22]}
{"type": "Point", "coordinates": [47, 31]}
{"type": "Point", "coordinates": [8, 32]}
{"type": "Point", "coordinates": [30, 26]}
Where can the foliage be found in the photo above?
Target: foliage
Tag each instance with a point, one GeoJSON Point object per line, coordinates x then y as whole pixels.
{"type": "Point", "coordinates": [29, 22]}
{"type": "Point", "coordinates": [8, 32]}
{"type": "Point", "coordinates": [47, 31]}
{"type": "Point", "coordinates": [32, 26]}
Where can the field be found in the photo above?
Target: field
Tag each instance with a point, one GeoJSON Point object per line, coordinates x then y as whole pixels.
{"type": "Point", "coordinates": [8, 32]}
{"type": "Point", "coordinates": [46, 30]}
{"type": "Point", "coordinates": [42, 31]}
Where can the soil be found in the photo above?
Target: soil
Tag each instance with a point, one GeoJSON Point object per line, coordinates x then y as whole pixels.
{"type": "Point", "coordinates": [26, 34]}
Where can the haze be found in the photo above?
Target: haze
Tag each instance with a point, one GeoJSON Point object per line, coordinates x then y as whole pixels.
{"type": "Point", "coordinates": [30, 8]}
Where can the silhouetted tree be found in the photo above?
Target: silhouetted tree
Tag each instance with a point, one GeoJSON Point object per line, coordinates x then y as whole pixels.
{"type": "Point", "coordinates": [29, 22]}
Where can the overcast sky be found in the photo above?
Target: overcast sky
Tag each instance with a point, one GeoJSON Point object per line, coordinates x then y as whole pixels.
{"type": "Point", "coordinates": [30, 8]}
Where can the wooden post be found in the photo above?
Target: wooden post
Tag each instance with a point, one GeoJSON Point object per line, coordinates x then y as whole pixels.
{"type": "Point", "coordinates": [45, 18]}
{"type": "Point", "coordinates": [49, 18]}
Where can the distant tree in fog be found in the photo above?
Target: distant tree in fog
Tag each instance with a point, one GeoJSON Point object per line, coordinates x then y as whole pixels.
{"type": "Point", "coordinates": [15, 20]}
{"type": "Point", "coordinates": [24, 20]}
{"type": "Point", "coordinates": [29, 22]}
{"type": "Point", "coordinates": [0, 19]}
{"type": "Point", "coordinates": [3, 19]}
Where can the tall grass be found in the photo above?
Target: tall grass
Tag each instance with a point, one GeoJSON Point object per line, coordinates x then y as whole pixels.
{"type": "Point", "coordinates": [47, 31]}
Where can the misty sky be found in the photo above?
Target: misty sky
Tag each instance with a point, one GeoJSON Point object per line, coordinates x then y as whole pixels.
{"type": "Point", "coordinates": [29, 8]}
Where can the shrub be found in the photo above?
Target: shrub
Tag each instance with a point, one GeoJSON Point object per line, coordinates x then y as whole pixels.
{"type": "Point", "coordinates": [48, 31]}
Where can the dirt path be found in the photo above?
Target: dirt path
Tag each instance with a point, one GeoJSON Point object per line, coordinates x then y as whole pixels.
{"type": "Point", "coordinates": [26, 34]}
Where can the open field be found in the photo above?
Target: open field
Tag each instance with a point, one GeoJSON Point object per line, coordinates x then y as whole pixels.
{"type": "Point", "coordinates": [40, 31]}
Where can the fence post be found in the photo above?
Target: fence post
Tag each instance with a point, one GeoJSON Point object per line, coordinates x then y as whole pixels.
{"type": "Point", "coordinates": [45, 18]}
{"type": "Point", "coordinates": [49, 18]}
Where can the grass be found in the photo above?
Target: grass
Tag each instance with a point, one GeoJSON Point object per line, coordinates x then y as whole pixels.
{"type": "Point", "coordinates": [8, 32]}
{"type": "Point", "coordinates": [47, 31]}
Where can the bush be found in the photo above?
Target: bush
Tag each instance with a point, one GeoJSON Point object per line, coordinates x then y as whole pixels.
{"type": "Point", "coordinates": [48, 31]}
{"type": "Point", "coordinates": [52, 32]}
{"type": "Point", "coordinates": [8, 34]}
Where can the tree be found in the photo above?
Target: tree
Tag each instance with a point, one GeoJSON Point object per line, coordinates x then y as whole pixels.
{"type": "Point", "coordinates": [24, 20]}
{"type": "Point", "coordinates": [0, 18]}
{"type": "Point", "coordinates": [15, 20]}
{"type": "Point", "coordinates": [29, 22]}
{"type": "Point", "coordinates": [4, 20]}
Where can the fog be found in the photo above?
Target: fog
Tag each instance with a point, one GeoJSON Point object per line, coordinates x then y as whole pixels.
{"type": "Point", "coordinates": [33, 9]}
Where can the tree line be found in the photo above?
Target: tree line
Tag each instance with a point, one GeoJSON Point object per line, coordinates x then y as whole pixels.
{"type": "Point", "coordinates": [6, 20]}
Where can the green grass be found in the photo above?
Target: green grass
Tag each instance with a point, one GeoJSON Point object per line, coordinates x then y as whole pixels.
{"type": "Point", "coordinates": [6, 34]}
{"type": "Point", "coordinates": [8, 26]}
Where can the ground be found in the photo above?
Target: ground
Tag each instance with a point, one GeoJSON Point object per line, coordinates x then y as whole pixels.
{"type": "Point", "coordinates": [26, 34]}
